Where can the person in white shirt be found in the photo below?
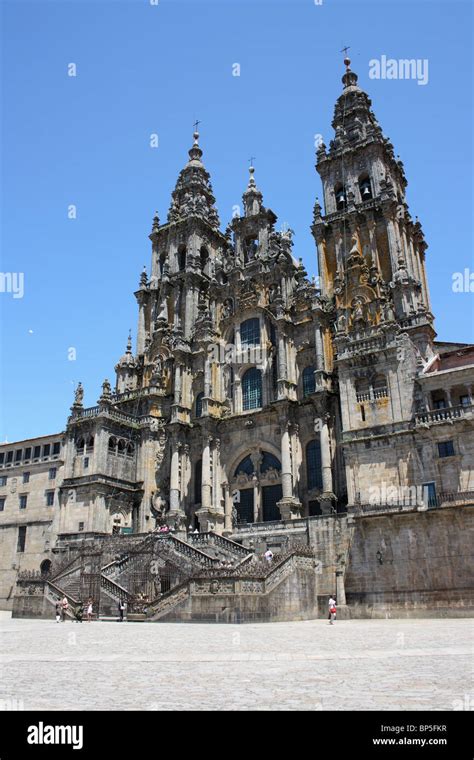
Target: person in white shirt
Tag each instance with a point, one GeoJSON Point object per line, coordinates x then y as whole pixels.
{"type": "Point", "coordinates": [268, 555]}
{"type": "Point", "coordinates": [332, 610]}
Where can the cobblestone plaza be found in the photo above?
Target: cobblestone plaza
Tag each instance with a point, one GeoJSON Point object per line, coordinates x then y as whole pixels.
{"type": "Point", "coordinates": [417, 664]}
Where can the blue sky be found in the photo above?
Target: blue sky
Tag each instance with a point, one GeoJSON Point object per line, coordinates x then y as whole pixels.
{"type": "Point", "coordinates": [144, 69]}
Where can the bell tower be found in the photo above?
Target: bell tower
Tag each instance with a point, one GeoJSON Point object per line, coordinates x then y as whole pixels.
{"type": "Point", "coordinates": [371, 257]}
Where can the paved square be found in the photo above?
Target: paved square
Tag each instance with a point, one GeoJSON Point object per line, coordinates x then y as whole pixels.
{"type": "Point", "coordinates": [310, 665]}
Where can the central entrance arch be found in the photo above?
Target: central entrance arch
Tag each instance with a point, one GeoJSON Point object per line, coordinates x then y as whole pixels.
{"type": "Point", "coordinates": [257, 488]}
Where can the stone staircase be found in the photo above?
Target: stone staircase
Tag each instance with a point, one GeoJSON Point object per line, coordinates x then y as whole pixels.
{"type": "Point", "coordinates": [123, 577]}
{"type": "Point", "coordinates": [220, 548]}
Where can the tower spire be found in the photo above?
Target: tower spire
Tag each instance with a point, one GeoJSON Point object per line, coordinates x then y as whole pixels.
{"type": "Point", "coordinates": [252, 196]}
{"type": "Point", "coordinates": [192, 195]}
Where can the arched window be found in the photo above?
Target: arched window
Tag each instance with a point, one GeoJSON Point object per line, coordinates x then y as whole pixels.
{"type": "Point", "coordinates": [314, 472]}
{"type": "Point", "coordinates": [365, 187]}
{"type": "Point", "coordinates": [130, 450]}
{"type": "Point", "coordinates": [112, 444]}
{"type": "Point", "coordinates": [340, 193]}
{"type": "Point", "coordinates": [182, 258]}
{"type": "Point", "coordinates": [250, 332]}
{"type": "Point", "coordinates": [80, 446]}
{"type": "Point", "coordinates": [245, 466]}
{"type": "Point", "coordinates": [197, 481]}
{"type": "Point", "coordinates": [252, 389]}
{"type": "Point", "coordinates": [309, 384]}
{"type": "Point", "coordinates": [90, 443]}
{"type": "Point", "coordinates": [269, 461]}
{"type": "Point", "coordinates": [121, 448]}
{"type": "Point", "coordinates": [199, 399]}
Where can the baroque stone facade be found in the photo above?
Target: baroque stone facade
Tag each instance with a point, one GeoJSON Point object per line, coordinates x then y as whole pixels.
{"type": "Point", "coordinates": [255, 395]}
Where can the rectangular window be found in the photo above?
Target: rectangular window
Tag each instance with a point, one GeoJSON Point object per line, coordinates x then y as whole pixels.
{"type": "Point", "coordinates": [429, 495]}
{"type": "Point", "coordinates": [9, 457]}
{"type": "Point", "coordinates": [21, 538]}
{"type": "Point", "coordinates": [3, 480]}
{"type": "Point", "coordinates": [56, 447]}
{"type": "Point", "coordinates": [86, 462]}
{"type": "Point", "coordinates": [2, 503]}
{"type": "Point", "coordinates": [49, 498]}
{"type": "Point", "coordinates": [250, 332]}
{"type": "Point", "coordinates": [464, 401]}
{"type": "Point", "coordinates": [52, 473]}
{"type": "Point", "coordinates": [2, 458]}
{"type": "Point", "coordinates": [27, 454]}
{"type": "Point", "coordinates": [46, 449]}
{"type": "Point", "coordinates": [446, 449]}
{"type": "Point", "coordinates": [26, 477]}
{"type": "Point", "coordinates": [440, 403]}
{"type": "Point", "coordinates": [36, 452]}
{"type": "Point", "coordinates": [81, 526]}
{"type": "Point", "coordinates": [18, 454]}
{"type": "Point", "coordinates": [23, 500]}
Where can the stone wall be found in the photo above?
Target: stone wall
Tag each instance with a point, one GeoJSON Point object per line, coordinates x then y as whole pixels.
{"type": "Point", "coordinates": [413, 560]}
{"type": "Point", "coordinates": [294, 598]}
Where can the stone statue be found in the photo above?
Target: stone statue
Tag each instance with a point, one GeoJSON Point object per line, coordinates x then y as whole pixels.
{"type": "Point", "coordinates": [79, 395]}
{"type": "Point", "coordinates": [341, 323]}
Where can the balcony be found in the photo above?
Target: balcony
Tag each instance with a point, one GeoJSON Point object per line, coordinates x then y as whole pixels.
{"type": "Point", "coordinates": [446, 414]}
{"type": "Point", "coordinates": [441, 500]}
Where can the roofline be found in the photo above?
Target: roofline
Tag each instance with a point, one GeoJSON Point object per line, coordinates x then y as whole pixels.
{"type": "Point", "coordinates": [28, 440]}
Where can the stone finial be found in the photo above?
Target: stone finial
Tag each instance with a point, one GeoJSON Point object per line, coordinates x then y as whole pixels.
{"type": "Point", "coordinates": [106, 395]}
{"type": "Point", "coordinates": [156, 224]}
{"type": "Point", "coordinates": [143, 278]}
{"type": "Point", "coordinates": [78, 398]}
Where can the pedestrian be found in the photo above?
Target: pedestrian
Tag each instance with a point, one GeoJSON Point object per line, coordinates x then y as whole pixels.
{"type": "Point", "coordinates": [121, 608]}
{"type": "Point", "coordinates": [268, 555]}
{"type": "Point", "coordinates": [64, 608]}
{"type": "Point", "coordinates": [89, 610]}
{"type": "Point", "coordinates": [58, 612]}
{"type": "Point", "coordinates": [332, 610]}
{"type": "Point", "coordinates": [79, 612]}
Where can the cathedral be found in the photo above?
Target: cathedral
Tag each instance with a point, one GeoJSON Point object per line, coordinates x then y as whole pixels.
{"type": "Point", "coordinates": [266, 410]}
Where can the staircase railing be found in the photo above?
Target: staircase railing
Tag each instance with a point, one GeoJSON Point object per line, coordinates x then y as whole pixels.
{"type": "Point", "coordinates": [56, 594]}
{"type": "Point", "coordinates": [210, 537]}
{"type": "Point", "coordinates": [182, 547]}
{"type": "Point", "coordinates": [115, 589]}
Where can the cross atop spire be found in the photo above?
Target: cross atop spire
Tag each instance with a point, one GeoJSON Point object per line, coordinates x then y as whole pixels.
{"type": "Point", "coordinates": [251, 160]}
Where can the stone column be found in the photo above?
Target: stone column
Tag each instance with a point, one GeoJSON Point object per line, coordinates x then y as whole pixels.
{"type": "Point", "coordinates": [177, 383]}
{"type": "Point", "coordinates": [327, 496]}
{"type": "Point", "coordinates": [256, 499]}
{"type": "Point", "coordinates": [141, 322]}
{"type": "Point", "coordinates": [319, 350]}
{"type": "Point", "coordinates": [290, 507]}
{"type": "Point", "coordinates": [286, 477]}
{"type": "Point", "coordinates": [175, 495]}
{"type": "Point", "coordinates": [338, 248]}
{"type": "Point", "coordinates": [207, 379]}
{"type": "Point", "coordinates": [392, 244]}
{"type": "Point", "coordinates": [371, 225]}
{"type": "Point", "coordinates": [227, 508]}
{"type": "Point", "coordinates": [282, 364]}
{"type": "Point", "coordinates": [340, 588]}
{"type": "Point", "coordinates": [206, 487]}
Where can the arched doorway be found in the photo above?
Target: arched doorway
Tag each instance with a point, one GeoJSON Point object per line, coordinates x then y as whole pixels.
{"type": "Point", "coordinates": [45, 567]}
{"type": "Point", "coordinates": [256, 485]}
